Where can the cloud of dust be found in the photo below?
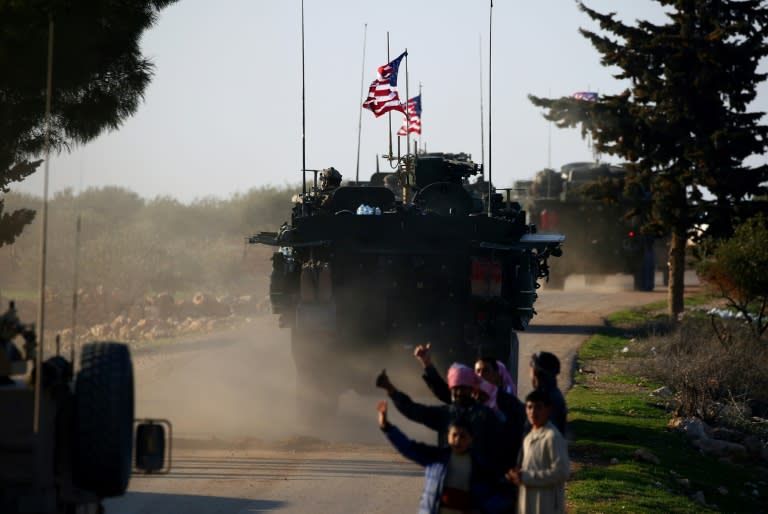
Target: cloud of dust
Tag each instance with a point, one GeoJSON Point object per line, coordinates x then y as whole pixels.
{"type": "Point", "coordinates": [241, 385]}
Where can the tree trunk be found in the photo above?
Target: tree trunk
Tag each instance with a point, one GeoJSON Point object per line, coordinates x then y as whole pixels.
{"type": "Point", "coordinates": [676, 272]}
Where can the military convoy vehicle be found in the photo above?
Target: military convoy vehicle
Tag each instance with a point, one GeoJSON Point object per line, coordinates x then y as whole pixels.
{"type": "Point", "coordinates": [66, 438]}
{"type": "Point", "coordinates": [415, 255]}
{"type": "Point", "coordinates": [601, 241]}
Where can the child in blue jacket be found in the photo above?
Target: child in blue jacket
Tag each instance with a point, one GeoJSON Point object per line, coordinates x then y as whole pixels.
{"type": "Point", "coordinates": [455, 480]}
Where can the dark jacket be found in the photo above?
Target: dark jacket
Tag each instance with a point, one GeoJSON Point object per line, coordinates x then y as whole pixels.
{"type": "Point", "coordinates": [512, 409]}
{"type": "Point", "coordinates": [435, 461]}
{"type": "Point", "coordinates": [559, 414]}
{"type": "Point", "coordinates": [486, 426]}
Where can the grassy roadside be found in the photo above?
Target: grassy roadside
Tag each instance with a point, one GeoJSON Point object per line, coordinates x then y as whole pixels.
{"type": "Point", "coordinates": [614, 417]}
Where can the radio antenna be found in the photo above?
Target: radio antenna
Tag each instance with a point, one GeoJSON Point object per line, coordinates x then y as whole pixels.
{"type": "Point", "coordinates": [490, 110]}
{"type": "Point", "coordinates": [43, 233]}
{"type": "Point", "coordinates": [360, 114]}
{"type": "Point", "coordinates": [303, 118]}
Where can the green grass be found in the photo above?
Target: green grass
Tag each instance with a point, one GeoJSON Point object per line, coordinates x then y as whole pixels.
{"type": "Point", "coordinates": [654, 312]}
{"type": "Point", "coordinates": [601, 346]}
{"type": "Point", "coordinates": [611, 415]}
{"type": "Point", "coordinates": [20, 294]}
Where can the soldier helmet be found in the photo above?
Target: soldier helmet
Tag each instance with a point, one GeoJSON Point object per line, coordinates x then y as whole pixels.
{"type": "Point", "coordinates": [330, 177]}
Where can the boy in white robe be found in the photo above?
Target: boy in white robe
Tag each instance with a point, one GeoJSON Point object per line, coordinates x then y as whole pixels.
{"type": "Point", "coordinates": [545, 466]}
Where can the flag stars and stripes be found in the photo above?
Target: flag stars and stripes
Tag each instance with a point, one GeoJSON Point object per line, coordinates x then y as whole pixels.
{"type": "Point", "coordinates": [412, 120]}
{"type": "Point", "coordinates": [382, 94]}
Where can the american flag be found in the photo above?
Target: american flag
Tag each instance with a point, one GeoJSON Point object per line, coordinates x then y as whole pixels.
{"type": "Point", "coordinates": [588, 96]}
{"type": "Point", "coordinates": [412, 120]}
{"type": "Point", "coordinates": [382, 95]}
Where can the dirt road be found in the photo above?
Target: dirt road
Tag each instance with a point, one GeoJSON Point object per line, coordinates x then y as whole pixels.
{"type": "Point", "coordinates": [239, 449]}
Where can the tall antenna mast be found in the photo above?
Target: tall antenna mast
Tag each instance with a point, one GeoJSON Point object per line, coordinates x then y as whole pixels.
{"type": "Point", "coordinates": [360, 114]}
{"type": "Point", "coordinates": [43, 233]}
{"type": "Point", "coordinates": [389, 114]}
{"type": "Point", "coordinates": [407, 117]}
{"type": "Point", "coordinates": [490, 110]}
{"type": "Point", "coordinates": [303, 118]}
{"type": "Point", "coordinates": [482, 117]}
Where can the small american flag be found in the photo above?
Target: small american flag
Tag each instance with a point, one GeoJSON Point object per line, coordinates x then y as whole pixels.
{"type": "Point", "coordinates": [382, 95]}
{"type": "Point", "coordinates": [588, 96]}
{"type": "Point", "coordinates": [412, 120]}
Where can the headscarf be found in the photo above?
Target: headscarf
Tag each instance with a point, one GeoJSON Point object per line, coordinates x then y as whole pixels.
{"type": "Point", "coordinates": [461, 375]}
{"type": "Point", "coordinates": [507, 383]}
{"type": "Point", "coordinates": [490, 390]}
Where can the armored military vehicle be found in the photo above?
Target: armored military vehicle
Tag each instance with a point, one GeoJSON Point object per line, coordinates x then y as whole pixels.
{"type": "Point", "coordinates": [415, 255]}
{"type": "Point", "coordinates": [66, 438]}
{"type": "Point", "coordinates": [601, 241]}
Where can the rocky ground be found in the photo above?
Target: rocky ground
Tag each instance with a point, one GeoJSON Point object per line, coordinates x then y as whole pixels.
{"type": "Point", "coordinates": [111, 316]}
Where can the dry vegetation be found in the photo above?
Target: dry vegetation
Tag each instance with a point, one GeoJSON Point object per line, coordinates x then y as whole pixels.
{"type": "Point", "coordinates": [717, 369]}
{"type": "Point", "coordinates": [131, 248]}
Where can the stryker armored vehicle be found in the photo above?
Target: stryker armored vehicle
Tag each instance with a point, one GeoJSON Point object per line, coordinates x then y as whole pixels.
{"type": "Point", "coordinates": [413, 256]}
{"type": "Point", "coordinates": [66, 438]}
{"type": "Point", "coordinates": [601, 241]}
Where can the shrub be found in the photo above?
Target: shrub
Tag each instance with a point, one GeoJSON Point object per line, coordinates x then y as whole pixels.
{"type": "Point", "coordinates": [714, 372]}
{"type": "Point", "coordinates": [737, 271]}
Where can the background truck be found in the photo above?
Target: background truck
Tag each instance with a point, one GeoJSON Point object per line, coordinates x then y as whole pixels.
{"type": "Point", "coordinates": [600, 239]}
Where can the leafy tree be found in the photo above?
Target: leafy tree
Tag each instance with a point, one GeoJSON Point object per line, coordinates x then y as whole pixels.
{"type": "Point", "coordinates": [737, 270]}
{"type": "Point", "coordinates": [99, 78]}
{"type": "Point", "coordinates": [683, 125]}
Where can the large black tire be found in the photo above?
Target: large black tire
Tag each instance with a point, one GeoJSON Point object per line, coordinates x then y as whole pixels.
{"type": "Point", "coordinates": [103, 430]}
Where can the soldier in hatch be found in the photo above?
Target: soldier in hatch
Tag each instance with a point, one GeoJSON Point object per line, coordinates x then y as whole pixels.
{"type": "Point", "coordinates": [330, 179]}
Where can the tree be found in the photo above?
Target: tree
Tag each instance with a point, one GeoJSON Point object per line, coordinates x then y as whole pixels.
{"type": "Point", "coordinates": [683, 125]}
{"type": "Point", "coordinates": [737, 270]}
{"type": "Point", "coordinates": [99, 78]}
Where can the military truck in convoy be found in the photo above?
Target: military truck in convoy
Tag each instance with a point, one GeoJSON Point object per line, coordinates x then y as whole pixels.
{"type": "Point", "coordinates": [601, 241]}
{"type": "Point", "coordinates": [66, 437]}
{"type": "Point", "coordinates": [415, 255]}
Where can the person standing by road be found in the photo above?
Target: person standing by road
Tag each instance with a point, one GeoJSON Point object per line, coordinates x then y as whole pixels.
{"type": "Point", "coordinates": [454, 481]}
{"type": "Point", "coordinates": [486, 367]}
{"type": "Point", "coordinates": [545, 466]}
{"type": "Point", "coordinates": [462, 381]}
{"type": "Point", "coordinates": [545, 367]}
{"type": "Point", "coordinates": [510, 407]}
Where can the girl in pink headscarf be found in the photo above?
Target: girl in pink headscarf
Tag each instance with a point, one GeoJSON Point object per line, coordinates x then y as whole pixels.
{"type": "Point", "coordinates": [486, 394]}
{"type": "Point", "coordinates": [507, 384]}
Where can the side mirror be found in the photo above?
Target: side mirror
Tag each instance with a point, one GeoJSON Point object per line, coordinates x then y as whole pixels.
{"type": "Point", "coordinates": [152, 446]}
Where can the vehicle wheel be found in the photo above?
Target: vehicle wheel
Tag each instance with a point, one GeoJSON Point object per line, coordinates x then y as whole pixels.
{"type": "Point", "coordinates": [665, 276]}
{"type": "Point", "coordinates": [103, 429]}
{"type": "Point", "coordinates": [317, 392]}
{"type": "Point", "coordinates": [645, 272]}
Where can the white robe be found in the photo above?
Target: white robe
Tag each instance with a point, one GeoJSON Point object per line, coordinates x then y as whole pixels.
{"type": "Point", "coordinates": [544, 471]}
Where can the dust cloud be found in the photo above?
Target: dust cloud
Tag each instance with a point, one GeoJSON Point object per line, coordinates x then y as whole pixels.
{"type": "Point", "coordinates": [240, 387]}
{"type": "Point", "coordinates": [601, 283]}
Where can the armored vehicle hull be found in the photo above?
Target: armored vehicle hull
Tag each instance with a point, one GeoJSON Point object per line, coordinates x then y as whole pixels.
{"type": "Point", "coordinates": [355, 289]}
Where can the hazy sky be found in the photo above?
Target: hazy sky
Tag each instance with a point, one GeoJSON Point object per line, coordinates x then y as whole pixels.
{"type": "Point", "coordinates": [223, 113]}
